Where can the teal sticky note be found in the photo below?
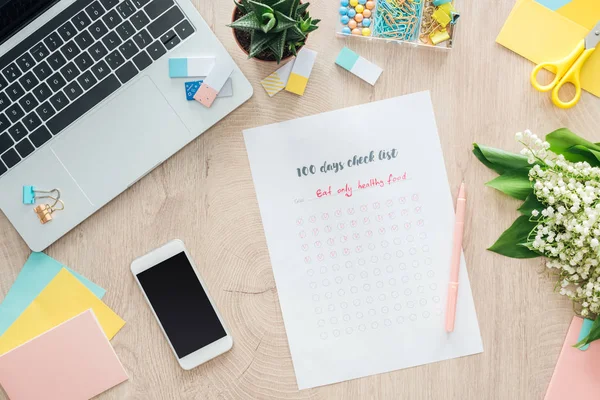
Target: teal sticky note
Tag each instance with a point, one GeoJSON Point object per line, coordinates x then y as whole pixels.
{"type": "Point", "coordinates": [585, 330]}
{"type": "Point", "coordinates": [554, 4]}
{"type": "Point", "coordinates": [346, 59]}
{"type": "Point", "coordinates": [37, 272]}
{"type": "Point", "coordinates": [178, 67]}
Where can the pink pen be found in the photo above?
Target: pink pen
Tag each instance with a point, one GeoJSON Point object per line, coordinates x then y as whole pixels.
{"type": "Point", "coordinates": [459, 227]}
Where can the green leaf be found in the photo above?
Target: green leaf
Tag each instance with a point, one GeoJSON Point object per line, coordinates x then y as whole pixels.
{"type": "Point", "coordinates": [260, 8]}
{"type": "Point", "coordinates": [268, 22]}
{"type": "Point", "coordinates": [265, 15]}
{"type": "Point", "coordinates": [277, 46]}
{"type": "Point", "coordinates": [283, 22]}
{"type": "Point", "coordinates": [512, 243]}
{"type": "Point", "coordinates": [294, 49]}
{"type": "Point", "coordinates": [592, 156]}
{"type": "Point", "coordinates": [305, 24]}
{"type": "Point", "coordinates": [259, 42]}
{"type": "Point", "coordinates": [311, 29]}
{"type": "Point", "coordinates": [531, 203]}
{"type": "Point", "coordinates": [593, 335]}
{"type": "Point", "coordinates": [514, 183]}
{"type": "Point", "coordinates": [294, 34]}
{"type": "Point", "coordinates": [563, 141]}
{"type": "Point", "coordinates": [242, 5]}
{"type": "Point", "coordinates": [286, 7]}
{"type": "Point", "coordinates": [248, 22]}
{"type": "Point", "coordinates": [302, 9]}
{"type": "Point", "coordinates": [269, 3]}
{"type": "Point", "coordinates": [499, 160]}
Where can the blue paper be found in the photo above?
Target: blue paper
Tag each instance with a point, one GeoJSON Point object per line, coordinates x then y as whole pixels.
{"type": "Point", "coordinates": [191, 88]}
{"type": "Point", "coordinates": [554, 4]}
{"type": "Point", "coordinates": [37, 272]}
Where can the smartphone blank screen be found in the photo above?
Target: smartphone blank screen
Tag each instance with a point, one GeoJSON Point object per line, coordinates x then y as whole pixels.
{"type": "Point", "coordinates": [181, 305]}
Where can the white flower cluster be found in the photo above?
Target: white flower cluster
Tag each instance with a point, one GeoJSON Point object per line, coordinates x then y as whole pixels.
{"type": "Point", "coordinates": [569, 226]}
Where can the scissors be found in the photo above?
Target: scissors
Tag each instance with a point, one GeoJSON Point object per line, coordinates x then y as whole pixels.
{"type": "Point", "coordinates": [568, 69]}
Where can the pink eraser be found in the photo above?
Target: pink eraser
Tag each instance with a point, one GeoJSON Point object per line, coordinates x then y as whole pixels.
{"type": "Point", "coordinates": [206, 95]}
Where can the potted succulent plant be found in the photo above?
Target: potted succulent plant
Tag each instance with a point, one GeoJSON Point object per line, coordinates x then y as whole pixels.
{"type": "Point", "coordinates": [271, 30]}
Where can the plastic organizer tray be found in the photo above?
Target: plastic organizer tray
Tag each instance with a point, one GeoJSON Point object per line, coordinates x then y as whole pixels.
{"type": "Point", "coordinates": [430, 23]}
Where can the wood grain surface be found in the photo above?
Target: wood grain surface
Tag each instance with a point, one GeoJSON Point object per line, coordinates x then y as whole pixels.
{"type": "Point", "coordinates": [204, 195]}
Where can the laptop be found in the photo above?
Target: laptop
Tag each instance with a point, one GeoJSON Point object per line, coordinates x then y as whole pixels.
{"type": "Point", "coordinates": [87, 105]}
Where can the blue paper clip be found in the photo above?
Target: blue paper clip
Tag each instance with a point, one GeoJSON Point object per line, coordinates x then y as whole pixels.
{"type": "Point", "coordinates": [30, 194]}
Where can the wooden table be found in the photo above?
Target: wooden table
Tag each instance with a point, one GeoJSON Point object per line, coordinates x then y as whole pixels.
{"type": "Point", "coordinates": [204, 195]}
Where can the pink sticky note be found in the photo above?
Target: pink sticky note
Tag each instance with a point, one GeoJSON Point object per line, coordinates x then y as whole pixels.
{"type": "Point", "coordinates": [213, 84]}
{"type": "Point", "coordinates": [73, 361]}
{"type": "Point", "coordinates": [576, 373]}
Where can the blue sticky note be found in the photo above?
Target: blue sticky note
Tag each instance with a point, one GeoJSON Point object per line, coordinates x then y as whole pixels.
{"type": "Point", "coordinates": [346, 59]}
{"type": "Point", "coordinates": [191, 88]}
{"type": "Point", "coordinates": [36, 274]}
{"type": "Point", "coordinates": [554, 4]}
{"type": "Point", "coordinates": [178, 67]}
{"type": "Point", "coordinates": [585, 330]}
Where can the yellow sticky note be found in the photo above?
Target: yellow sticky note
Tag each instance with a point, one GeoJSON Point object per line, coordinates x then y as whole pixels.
{"type": "Point", "coordinates": [540, 34]}
{"type": "Point", "coordinates": [296, 84]}
{"type": "Point", "coordinates": [62, 299]}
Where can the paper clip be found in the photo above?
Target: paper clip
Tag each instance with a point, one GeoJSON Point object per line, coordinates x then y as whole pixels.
{"type": "Point", "coordinates": [45, 211]}
{"type": "Point", "coordinates": [30, 194]}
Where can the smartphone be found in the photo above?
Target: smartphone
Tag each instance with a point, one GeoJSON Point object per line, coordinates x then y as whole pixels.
{"type": "Point", "coordinates": [181, 304]}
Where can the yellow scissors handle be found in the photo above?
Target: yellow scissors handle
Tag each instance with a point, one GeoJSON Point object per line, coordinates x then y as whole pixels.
{"type": "Point", "coordinates": [559, 68]}
{"type": "Point", "coordinates": [572, 76]}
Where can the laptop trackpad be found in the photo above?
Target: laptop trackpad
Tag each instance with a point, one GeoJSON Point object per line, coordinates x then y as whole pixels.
{"type": "Point", "coordinates": [121, 141]}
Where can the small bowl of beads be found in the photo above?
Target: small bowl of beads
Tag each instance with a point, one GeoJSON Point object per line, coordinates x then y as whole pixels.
{"type": "Point", "coordinates": [418, 22]}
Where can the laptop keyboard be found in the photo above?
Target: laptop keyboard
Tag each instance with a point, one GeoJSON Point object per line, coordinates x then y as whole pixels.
{"type": "Point", "coordinates": [74, 62]}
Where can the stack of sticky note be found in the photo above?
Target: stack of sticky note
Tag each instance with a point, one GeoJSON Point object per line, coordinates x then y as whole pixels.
{"type": "Point", "coordinates": [54, 332]}
{"type": "Point", "coordinates": [359, 66]}
{"type": "Point", "coordinates": [293, 76]}
{"type": "Point", "coordinates": [216, 82]}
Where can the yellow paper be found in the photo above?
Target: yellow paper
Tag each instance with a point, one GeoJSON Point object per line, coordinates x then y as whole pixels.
{"type": "Point", "coordinates": [584, 12]}
{"type": "Point", "coordinates": [540, 34]}
{"type": "Point", "coordinates": [64, 298]}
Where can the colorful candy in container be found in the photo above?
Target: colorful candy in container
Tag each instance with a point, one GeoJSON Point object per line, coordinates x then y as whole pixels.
{"type": "Point", "coordinates": [356, 17]}
{"type": "Point", "coordinates": [420, 22]}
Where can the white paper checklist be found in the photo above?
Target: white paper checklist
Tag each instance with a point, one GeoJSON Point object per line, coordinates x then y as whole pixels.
{"type": "Point", "coordinates": [359, 219]}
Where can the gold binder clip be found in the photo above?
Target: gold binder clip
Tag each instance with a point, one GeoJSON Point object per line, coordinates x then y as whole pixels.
{"type": "Point", "coordinates": [45, 211]}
